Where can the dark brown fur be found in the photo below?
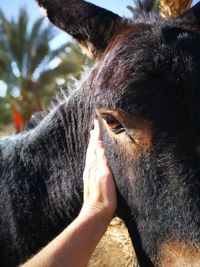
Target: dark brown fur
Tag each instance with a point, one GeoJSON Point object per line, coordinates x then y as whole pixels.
{"type": "Point", "coordinates": [148, 71]}
{"type": "Point", "coordinates": [145, 90]}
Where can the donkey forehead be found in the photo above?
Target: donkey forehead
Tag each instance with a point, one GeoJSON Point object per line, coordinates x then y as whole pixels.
{"type": "Point", "coordinates": [148, 48]}
{"type": "Point", "coordinates": [121, 61]}
{"type": "Point", "coordinates": [125, 65]}
{"type": "Point", "coordinates": [160, 58]}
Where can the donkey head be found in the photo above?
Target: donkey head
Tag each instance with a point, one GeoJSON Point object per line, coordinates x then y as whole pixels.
{"type": "Point", "coordinates": [145, 88]}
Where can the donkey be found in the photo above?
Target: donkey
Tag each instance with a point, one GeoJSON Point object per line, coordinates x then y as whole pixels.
{"type": "Point", "coordinates": [145, 91]}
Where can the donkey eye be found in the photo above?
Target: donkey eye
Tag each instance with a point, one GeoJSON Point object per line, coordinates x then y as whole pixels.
{"type": "Point", "coordinates": [113, 123]}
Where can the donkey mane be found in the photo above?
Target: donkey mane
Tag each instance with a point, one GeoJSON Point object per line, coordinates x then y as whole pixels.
{"type": "Point", "coordinates": [63, 94]}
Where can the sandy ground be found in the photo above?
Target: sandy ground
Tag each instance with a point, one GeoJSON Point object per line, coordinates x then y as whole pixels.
{"type": "Point", "coordinates": [115, 248]}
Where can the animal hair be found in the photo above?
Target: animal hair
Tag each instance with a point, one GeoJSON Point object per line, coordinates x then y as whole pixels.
{"type": "Point", "coordinates": [146, 81]}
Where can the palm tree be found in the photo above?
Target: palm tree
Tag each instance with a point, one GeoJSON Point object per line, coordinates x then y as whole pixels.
{"type": "Point", "coordinates": [147, 5]}
{"type": "Point", "coordinates": [29, 67]}
{"type": "Point", "coordinates": [5, 114]}
{"type": "Point", "coordinates": [166, 9]}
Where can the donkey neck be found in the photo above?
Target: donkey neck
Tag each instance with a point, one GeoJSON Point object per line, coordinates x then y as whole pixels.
{"type": "Point", "coordinates": [59, 150]}
{"type": "Point", "coordinates": [41, 173]}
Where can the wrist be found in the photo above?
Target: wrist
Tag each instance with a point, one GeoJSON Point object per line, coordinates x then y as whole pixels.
{"type": "Point", "coordinates": [92, 213]}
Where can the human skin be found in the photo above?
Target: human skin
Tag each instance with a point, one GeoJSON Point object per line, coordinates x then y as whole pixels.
{"type": "Point", "coordinates": [75, 245]}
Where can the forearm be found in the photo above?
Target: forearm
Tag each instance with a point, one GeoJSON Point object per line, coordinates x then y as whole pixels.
{"type": "Point", "coordinates": [74, 246]}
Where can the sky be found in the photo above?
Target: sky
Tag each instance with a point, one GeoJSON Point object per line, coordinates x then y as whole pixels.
{"type": "Point", "coordinates": [11, 9]}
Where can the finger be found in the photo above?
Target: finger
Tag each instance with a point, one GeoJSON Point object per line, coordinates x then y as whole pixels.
{"type": "Point", "coordinates": [97, 130]}
{"type": "Point", "coordinates": [102, 163]}
{"type": "Point", "coordinates": [86, 173]}
{"type": "Point", "coordinates": [89, 181]}
{"type": "Point", "coordinates": [90, 150]}
{"type": "Point", "coordinates": [100, 151]}
{"type": "Point", "coordinates": [90, 163]}
{"type": "Point", "coordinates": [89, 175]}
{"type": "Point", "coordinates": [92, 179]}
{"type": "Point", "coordinates": [91, 140]}
{"type": "Point", "coordinates": [85, 184]}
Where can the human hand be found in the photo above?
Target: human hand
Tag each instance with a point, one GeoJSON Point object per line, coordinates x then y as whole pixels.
{"type": "Point", "coordinates": [99, 187]}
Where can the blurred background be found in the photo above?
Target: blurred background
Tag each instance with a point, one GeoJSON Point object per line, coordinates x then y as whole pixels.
{"type": "Point", "coordinates": [36, 58]}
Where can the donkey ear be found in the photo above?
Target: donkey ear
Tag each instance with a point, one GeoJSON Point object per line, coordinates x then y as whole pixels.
{"type": "Point", "coordinates": [91, 26]}
{"type": "Point", "coordinates": [191, 17]}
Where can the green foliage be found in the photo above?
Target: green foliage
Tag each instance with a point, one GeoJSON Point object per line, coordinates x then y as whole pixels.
{"type": "Point", "coordinates": [29, 67]}
{"type": "Point", "coordinates": [6, 117]}
{"type": "Point", "coordinates": [138, 4]}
